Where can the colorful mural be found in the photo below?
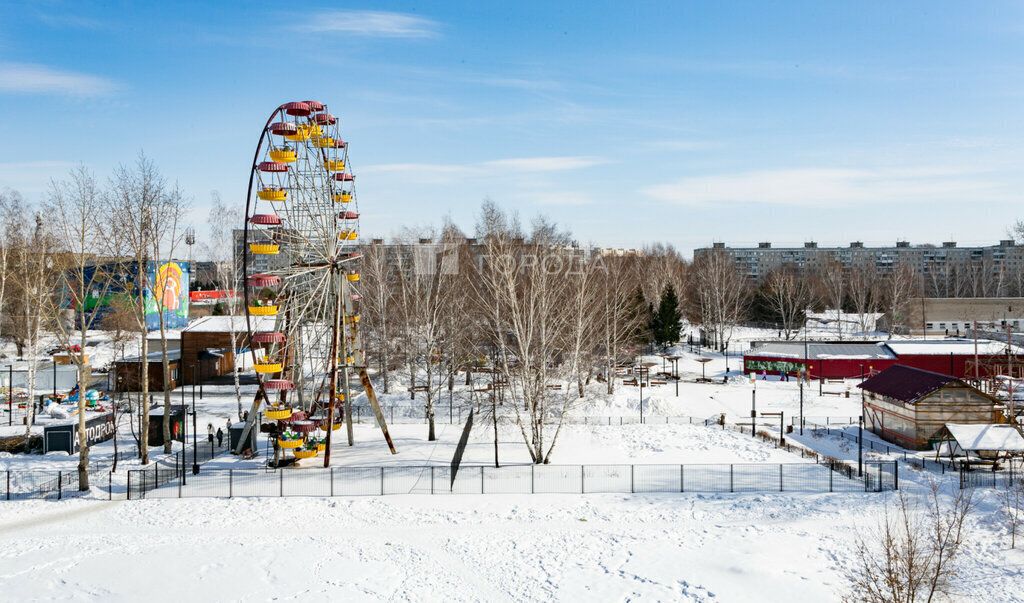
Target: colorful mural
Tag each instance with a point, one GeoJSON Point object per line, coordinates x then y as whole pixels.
{"type": "Point", "coordinates": [170, 287]}
{"type": "Point", "coordinates": [169, 280]}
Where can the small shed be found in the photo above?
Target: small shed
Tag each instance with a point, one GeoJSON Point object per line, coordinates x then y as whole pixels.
{"type": "Point", "coordinates": [128, 372]}
{"type": "Point", "coordinates": [988, 443]}
{"type": "Point", "coordinates": [910, 407]}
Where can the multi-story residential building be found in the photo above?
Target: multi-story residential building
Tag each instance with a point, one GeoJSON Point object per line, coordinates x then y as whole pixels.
{"type": "Point", "coordinates": [946, 269]}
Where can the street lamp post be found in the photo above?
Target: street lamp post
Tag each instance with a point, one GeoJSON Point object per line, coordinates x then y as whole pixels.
{"type": "Point", "coordinates": [860, 444]}
{"type": "Point", "coordinates": [195, 443]}
{"type": "Point", "coordinates": [753, 405]}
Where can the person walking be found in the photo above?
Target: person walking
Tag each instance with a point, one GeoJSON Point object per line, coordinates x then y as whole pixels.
{"type": "Point", "coordinates": [209, 432]}
{"type": "Point", "coordinates": [220, 437]}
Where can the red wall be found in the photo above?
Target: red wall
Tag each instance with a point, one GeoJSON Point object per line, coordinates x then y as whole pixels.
{"type": "Point", "coordinates": [849, 368]}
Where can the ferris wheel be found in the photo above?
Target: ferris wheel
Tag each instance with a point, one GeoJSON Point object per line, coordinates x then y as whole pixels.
{"type": "Point", "coordinates": [301, 283]}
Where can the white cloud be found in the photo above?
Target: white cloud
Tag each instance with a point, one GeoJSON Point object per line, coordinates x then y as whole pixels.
{"type": "Point", "coordinates": [821, 187]}
{"type": "Point", "coordinates": [39, 79]}
{"type": "Point", "coordinates": [373, 23]}
{"type": "Point", "coordinates": [546, 164]}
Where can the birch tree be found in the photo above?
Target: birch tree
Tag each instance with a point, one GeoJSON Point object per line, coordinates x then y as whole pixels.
{"type": "Point", "coordinates": [527, 304]}
{"type": "Point", "coordinates": [900, 287]}
{"type": "Point", "coordinates": [720, 295]}
{"type": "Point", "coordinates": [77, 214]}
{"type": "Point", "coordinates": [168, 234]}
{"type": "Point", "coordinates": [134, 199]}
{"type": "Point", "coordinates": [788, 295]}
{"type": "Point", "coordinates": [377, 304]}
{"type": "Point", "coordinates": [34, 265]}
{"type": "Point", "coordinates": [228, 273]}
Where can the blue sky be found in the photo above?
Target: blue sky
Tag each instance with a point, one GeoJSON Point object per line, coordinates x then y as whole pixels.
{"type": "Point", "coordinates": [683, 122]}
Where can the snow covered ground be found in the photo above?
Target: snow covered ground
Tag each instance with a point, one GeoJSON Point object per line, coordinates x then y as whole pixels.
{"type": "Point", "coordinates": [728, 547]}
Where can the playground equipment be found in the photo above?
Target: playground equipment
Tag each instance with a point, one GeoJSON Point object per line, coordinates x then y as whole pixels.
{"type": "Point", "coordinates": [301, 227]}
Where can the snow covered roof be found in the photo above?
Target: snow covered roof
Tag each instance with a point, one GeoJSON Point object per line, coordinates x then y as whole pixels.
{"type": "Point", "coordinates": [945, 347]}
{"type": "Point", "coordinates": [172, 355]}
{"type": "Point", "coordinates": [822, 350]}
{"type": "Point", "coordinates": [222, 324]}
{"type": "Point", "coordinates": [1003, 438]}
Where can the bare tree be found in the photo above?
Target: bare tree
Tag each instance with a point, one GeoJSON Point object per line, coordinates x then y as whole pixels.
{"type": "Point", "coordinates": [33, 274]}
{"type": "Point", "coordinates": [228, 273]}
{"type": "Point", "coordinates": [426, 290]}
{"type": "Point", "coordinates": [168, 234]}
{"type": "Point", "coordinates": [618, 323]}
{"type": "Point", "coordinates": [719, 295]}
{"type": "Point", "coordinates": [863, 292]}
{"type": "Point", "coordinates": [527, 303]}
{"type": "Point", "coordinates": [77, 216]}
{"type": "Point", "coordinates": [900, 287]}
{"type": "Point", "coordinates": [377, 304]}
{"type": "Point", "coordinates": [134, 200]}
{"type": "Point", "coordinates": [788, 295]}
{"type": "Point", "coordinates": [832, 279]}
{"type": "Point", "coordinates": [10, 202]}
{"type": "Point", "coordinates": [913, 554]}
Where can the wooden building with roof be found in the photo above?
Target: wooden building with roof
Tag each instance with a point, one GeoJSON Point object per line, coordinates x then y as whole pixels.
{"type": "Point", "coordinates": [909, 406]}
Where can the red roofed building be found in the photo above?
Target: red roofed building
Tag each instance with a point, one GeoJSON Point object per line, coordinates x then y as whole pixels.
{"type": "Point", "coordinates": [909, 406]}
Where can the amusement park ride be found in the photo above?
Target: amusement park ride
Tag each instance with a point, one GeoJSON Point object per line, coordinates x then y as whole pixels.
{"type": "Point", "coordinates": [301, 312]}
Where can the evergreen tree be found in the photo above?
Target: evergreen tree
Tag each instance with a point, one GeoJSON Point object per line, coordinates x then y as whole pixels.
{"type": "Point", "coordinates": [643, 315]}
{"type": "Point", "coordinates": [665, 323]}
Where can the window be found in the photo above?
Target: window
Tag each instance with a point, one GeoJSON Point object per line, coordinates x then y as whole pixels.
{"type": "Point", "coordinates": [174, 374]}
{"type": "Point", "coordinates": [929, 325]}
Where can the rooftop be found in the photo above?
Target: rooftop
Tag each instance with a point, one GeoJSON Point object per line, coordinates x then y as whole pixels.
{"type": "Point", "coordinates": [906, 384]}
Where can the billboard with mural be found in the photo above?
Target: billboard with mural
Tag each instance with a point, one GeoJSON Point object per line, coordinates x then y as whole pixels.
{"type": "Point", "coordinates": [168, 293]}
{"type": "Point", "coordinates": [167, 290]}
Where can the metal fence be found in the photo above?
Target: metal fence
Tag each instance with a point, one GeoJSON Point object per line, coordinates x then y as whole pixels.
{"type": "Point", "coordinates": [46, 485]}
{"type": "Point", "coordinates": [413, 414]}
{"type": "Point", "coordinates": [512, 479]}
{"type": "Point", "coordinates": [986, 478]}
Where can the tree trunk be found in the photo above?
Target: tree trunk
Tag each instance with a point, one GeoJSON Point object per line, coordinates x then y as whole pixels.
{"type": "Point", "coordinates": [166, 362]}
{"type": "Point", "coordinates": [144, 399]}
{"type": "Point", "coordinates": [83, 448]}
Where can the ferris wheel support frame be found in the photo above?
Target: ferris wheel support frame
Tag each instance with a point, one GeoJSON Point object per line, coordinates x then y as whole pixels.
{"type": "Point", "coordinates": [344, 311]}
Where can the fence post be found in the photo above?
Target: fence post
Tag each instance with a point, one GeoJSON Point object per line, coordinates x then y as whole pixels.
{"type": "Point", "coordinates": [895, 475]}
{"type": "Point", "coordinates": [280, 472]}
{"type": "Point", "coordinates": [231, 483]}
{"type": "Point", "coordinates": [382, 468]}
{"type": "Point", "coordinates": [632, 486]}
{"type": "Point", "coordinates": [531, 478]}
{"type": "Point", "coordinates": [110, 486]}
{"type": "Point", "coordinates": [431, 479]}
{"type": "Point", "coordinates": [879, 477]}
{"type": "Point", "coordinates": [583, 479]}
{"type": "Point", "coordinates": [8, 484]}
{"type": "Point", "coordinates": [481, 479]}
{"type": "Point", "coordinates": [780, 477]}
{"type": "Point", "coordinates": [332, 481]}
{"type": "Point", "coordinates": [181, 479]}
{"type": "Point", "coordinates": [682, 479]}
{"type": "Point", "coordinates": [59, 480]}
{"type": "Point", "coordinates": [730, 478]}
{"type": "Point", "coordinates": [830, 472]}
